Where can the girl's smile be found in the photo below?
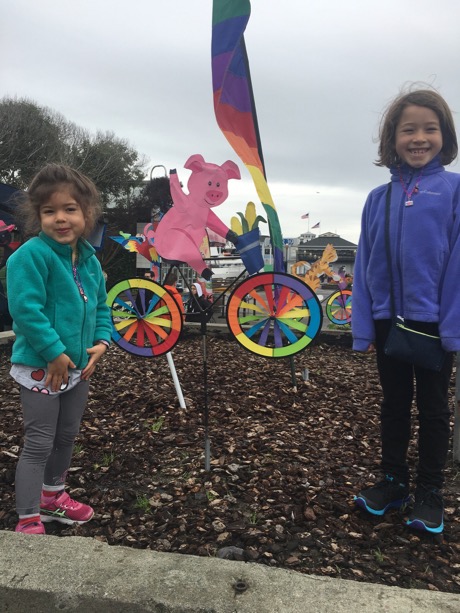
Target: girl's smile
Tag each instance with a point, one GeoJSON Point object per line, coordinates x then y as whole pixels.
{"type": "Point", "coordinates": [418, 136]}
{"type": "Point", "coordinates": [62, 218]}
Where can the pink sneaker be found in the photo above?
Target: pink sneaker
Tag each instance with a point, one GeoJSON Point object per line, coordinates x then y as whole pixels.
{"type": "Point", "coordinates": [33, 527]}
{"type": "Point", "coordinates": [65, 510]}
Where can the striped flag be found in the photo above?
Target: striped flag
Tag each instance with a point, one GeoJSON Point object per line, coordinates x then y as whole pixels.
{"type": "Point", "coordinates": [315, 226]}
{"type": "Point", "coordinates": [234, 104]}
{"type": "Point", "coordinates": [306, 216]}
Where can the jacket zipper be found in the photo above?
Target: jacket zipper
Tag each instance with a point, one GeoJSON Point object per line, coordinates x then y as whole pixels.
{"type": "Point", "coordinates": [399, 260]}
{"type": "Point", "coordinates": [403, 327]}
{"type": "Point", "coordinates": [84, 300]}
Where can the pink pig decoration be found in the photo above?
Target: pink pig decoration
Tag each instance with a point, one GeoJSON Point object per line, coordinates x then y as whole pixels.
{"type": "Point", "coordinates": [181, 230]}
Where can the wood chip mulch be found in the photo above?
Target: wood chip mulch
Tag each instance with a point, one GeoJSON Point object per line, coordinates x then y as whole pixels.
{"type": "Point", "coordinates": [285, 463]}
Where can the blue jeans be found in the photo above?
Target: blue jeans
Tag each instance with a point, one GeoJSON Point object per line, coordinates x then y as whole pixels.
{"type": "Point", "coordinates": [432, 400]}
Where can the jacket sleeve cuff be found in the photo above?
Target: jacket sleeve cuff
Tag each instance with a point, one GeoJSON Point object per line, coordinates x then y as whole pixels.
{"type": "Point", "coordinates": [102, 341]}
{"type": "Point", "coordinates": [360, 344]}
{"type": "Point", "coordinates": [51, 353]}
{"type": "Point", "coordinates": [450, 344]}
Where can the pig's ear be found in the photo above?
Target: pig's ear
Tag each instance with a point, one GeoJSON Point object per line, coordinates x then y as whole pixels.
{"type": "Point", "coordinates": [231, 169]}
{"type": "Point", "coordinates": [195, 162]}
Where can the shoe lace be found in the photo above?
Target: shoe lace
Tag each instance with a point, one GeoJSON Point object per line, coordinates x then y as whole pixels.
{"type": "Point", "coordinates": [71, 504]}
{"type": "Point", "coordinates": [431, 498]}
{"type": "Point", "coordinates": [389, 481]}
{"type": "Point", "coordinates": [383, 484]}
{"type": "Point", "coordinates": [66, 502]}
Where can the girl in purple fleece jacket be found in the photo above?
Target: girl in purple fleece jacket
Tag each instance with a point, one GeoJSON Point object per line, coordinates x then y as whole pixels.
{"type": "Point", "coordinates": [417, 138]}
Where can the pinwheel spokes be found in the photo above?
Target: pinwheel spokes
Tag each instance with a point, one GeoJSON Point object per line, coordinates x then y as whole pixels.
{"type": "Point", "coordinates": [146, 319]}
{"type": "Point", "coordinates": [274, 314]}
{"type": "Point", "coordinates": [338, 307]}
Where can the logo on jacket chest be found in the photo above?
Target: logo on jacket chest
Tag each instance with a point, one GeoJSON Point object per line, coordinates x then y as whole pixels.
{"type": "Point", "coordinates": [427, 191]}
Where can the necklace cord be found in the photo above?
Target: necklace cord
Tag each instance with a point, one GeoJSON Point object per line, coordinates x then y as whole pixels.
{"type": "Point", "coordinates": [77, 279]}
{"type": "Point", "coordinates": [414, 190]}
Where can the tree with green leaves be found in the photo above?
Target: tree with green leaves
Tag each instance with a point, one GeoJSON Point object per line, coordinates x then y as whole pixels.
{"type": "Point", "coordinates": [110, 162]}
{"type": "Point", "coordinates": [154, 200]}
{"type": "Point", "coordinates": [32, 136]}
{"type": "Point", "coordinates": [149, 204]}
{"type": "Point", "coordinates": [29, 138]}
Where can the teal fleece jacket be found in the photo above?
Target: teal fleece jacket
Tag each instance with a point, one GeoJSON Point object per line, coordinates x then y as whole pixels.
{"type": "Point", "coordinates": [50, 316]}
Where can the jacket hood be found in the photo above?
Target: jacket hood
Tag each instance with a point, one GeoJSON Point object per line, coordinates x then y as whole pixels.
{"type": "Point", "coordinates": [199, 291]}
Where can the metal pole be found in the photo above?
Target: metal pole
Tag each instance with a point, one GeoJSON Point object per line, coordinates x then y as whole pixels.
{"type": "Point", "coordinates": [172, 368]}
{"type": "Point", "coordinates": [158, 166]}
{"type": "Point", "coordinates": [293, 377]}
{"type": "Point", "coordinates": [207, 442]}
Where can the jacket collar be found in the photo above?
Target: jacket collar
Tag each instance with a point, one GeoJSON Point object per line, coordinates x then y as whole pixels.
{"type": "Point", "coordinates": [408, 172]}
{"type": "Point", "coordinates": [85, 250]}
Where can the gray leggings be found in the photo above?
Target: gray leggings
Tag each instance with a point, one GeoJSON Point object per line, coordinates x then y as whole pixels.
{"type": "Point", "coordinates": [51, 424]}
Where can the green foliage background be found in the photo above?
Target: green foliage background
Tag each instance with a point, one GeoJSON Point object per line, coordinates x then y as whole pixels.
{"type": "Point", "coordinates": [32, 136]}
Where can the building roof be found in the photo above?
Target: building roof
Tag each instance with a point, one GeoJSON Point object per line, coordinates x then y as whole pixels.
{"type": "Point", "coordinates": [328, 238]}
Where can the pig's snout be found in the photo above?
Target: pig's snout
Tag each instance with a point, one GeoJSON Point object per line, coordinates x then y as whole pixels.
{"type": "Point", "coordinates": [214, 195]}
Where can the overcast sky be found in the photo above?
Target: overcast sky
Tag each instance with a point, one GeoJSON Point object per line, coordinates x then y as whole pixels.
{"type": "Point", "coordinates": [322, 72]}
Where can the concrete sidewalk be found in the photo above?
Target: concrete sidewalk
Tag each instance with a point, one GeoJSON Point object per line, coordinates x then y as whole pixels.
{"type": "Point", "coordinates": [41, 574]}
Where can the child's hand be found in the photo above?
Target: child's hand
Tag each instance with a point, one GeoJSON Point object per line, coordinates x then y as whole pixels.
{"type": "Point", "coordinates": [58, 372]}
{"type": "Point", "coordinates": [95, 352]}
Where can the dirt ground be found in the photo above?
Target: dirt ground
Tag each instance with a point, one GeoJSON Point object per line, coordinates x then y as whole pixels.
{"type": "Point", "coordinates": [284, 464]}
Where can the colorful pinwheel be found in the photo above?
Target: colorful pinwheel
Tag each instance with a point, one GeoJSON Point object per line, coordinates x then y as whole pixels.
{"type": "Point", "coordinates": [146, 319]}
{"type": "Point", "coordinates": [137, 244]}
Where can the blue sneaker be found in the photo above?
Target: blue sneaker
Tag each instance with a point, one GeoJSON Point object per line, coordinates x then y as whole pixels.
{"type": "Point", "coordinates": [385, 495]}
{"type": "Point", "coordinates": [428, 511]}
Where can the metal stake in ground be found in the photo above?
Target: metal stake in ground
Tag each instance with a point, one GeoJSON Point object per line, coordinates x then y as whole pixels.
{"type": "Point", "coordinates": [207, 442]}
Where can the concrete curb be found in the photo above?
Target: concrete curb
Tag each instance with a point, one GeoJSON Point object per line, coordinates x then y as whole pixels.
{"type": "Point", "coordinates": [6, 337]}
{"type": "Point", "coordinates": [44, 574]}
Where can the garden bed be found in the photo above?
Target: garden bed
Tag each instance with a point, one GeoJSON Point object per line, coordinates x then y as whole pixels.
{"type": "Point", "coordinates": [285, 464]}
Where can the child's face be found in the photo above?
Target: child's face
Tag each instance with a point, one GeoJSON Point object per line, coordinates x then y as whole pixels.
{"type": "Point", "coordinates": [62, 218]}
{"type": "Point", "coordinates": [418, 137]}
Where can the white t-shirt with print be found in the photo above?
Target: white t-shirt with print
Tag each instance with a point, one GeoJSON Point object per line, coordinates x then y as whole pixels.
{"type": "Point", "coordinates": [34, 379]}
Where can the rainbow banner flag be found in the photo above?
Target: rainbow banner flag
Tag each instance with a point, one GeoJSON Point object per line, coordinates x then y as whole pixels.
{"type": "Point", "coordinates": [234, 104]}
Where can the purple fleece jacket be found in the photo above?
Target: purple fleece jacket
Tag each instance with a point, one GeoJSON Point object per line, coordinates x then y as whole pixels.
{"type": "Point", "coordinates": [425, 248]}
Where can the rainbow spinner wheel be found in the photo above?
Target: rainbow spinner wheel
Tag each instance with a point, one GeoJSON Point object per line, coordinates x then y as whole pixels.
{"type": "Point", "coordinates": [146, 319]}
{"type": "Point", "coordinates": [274, 314]}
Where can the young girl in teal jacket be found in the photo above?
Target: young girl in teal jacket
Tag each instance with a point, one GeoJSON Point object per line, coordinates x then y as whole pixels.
{"type": "Point", "coordinates": [57, 300]}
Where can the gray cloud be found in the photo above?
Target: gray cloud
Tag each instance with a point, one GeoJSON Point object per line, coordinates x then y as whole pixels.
{"type": "Point", "coordinates": [322, 73]}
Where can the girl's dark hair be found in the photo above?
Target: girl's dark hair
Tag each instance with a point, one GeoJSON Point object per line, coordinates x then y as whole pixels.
{"type": "Point", "coordinates": [52, 178]}
{"type": "Point", "coordinates": [171, 278]}
{"type": "Point", "coordinates": [422, 97]}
